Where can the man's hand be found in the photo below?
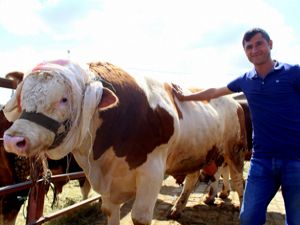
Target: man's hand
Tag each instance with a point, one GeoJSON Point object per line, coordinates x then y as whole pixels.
{"type": "Point", "coordinates": [178, 92]}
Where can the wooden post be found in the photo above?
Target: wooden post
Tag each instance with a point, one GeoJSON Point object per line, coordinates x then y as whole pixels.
{"type": "Point", "coordinates": [36, 199]}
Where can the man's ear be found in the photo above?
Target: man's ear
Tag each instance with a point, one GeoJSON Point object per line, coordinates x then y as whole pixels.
{"type": "Point", "coordinates": [108, 100]}
{"type": "Point", "coordinates": [271, 44]}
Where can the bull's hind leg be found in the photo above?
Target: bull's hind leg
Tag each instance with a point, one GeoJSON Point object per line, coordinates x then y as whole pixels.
{"type": "Point", "coordinates": [189, 185]}
{"type": "Point", "coordinates": [226, 184]}
{"type": "Point", "coordinates": [236, 175]}
{"type": "Point", "coordinates": [213, 188]}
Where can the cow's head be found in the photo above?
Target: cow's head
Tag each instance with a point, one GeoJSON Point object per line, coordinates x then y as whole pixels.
{"type": "Point", "coordinates": [52, 109]}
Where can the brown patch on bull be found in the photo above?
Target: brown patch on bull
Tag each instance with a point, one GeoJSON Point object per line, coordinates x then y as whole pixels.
{"type": "Point", "coordinates": [187, 166]}
{"type": "Point", "coordinates": [213, 160]}
{"type": "Point", "coordinates": [248, 123]}
{"type": "Point", "coordinates": [237, 154]}
{"type": "Point", "coordinates": [213, 155]}
{"type": "Point", "coordinates": [168, 88]}
{"type": "Point", "coordinates": [132, 128]}
{"type": "Point", "coordinates": [238, 159]}
{"type": "Point", "coordinates": [241, 117]}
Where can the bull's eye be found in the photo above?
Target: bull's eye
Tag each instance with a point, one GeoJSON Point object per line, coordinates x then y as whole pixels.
{"type": "Point", "coordinates": [64, 100]}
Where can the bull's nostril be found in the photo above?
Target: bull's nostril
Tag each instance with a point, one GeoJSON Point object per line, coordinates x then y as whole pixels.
{"type": "Point", "coordinates": [21, 144]}
{"type": "Point", "coordinates": [16, 144]}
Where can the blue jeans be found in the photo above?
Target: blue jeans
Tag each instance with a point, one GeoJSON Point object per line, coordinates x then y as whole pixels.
{"type": "Point", "coordinates": [265, 177]}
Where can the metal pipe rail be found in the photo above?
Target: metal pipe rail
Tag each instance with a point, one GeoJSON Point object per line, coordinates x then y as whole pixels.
{"type": "Point", "coordinates": [37, 194]}
{"type": "Point", "coordinates": [64, 211]}
{"type": "Point", "coordinates": [28, 184]}
{"type": "Point", "coordinates": [7, 83]}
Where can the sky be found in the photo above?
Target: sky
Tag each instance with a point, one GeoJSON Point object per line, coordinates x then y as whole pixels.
{"type": "Point", "coordinates": [189, 42]}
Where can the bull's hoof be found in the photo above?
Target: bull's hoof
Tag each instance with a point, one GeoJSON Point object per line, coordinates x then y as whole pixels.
{"type": "Point", "coordinates": [135, 222]}
{"type": "Point", "coordinates": [236, 207]}
{"type": "Point", "coordinates": [173, 214]}
{"type": "Point", "coordinates": [209, 200]}
{"type": "Point", "coordinates": [224, 195]}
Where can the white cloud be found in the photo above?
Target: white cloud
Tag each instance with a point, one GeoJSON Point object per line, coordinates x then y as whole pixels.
{"type": "Point", "coordinates": [21, 17]}
{"type": "Point", "coordinates": [183, 39]}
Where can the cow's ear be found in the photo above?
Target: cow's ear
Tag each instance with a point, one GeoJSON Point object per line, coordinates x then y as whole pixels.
{"type": "Point", "coordinates": [108, 100]}
{"type": "Point", "coordinates": [12, 108]}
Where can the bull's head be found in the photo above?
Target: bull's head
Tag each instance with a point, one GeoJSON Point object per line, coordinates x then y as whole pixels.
{"type": "Point", "coordinates": [52, 109]}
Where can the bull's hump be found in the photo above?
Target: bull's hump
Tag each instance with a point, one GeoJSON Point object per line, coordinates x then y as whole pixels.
{"type": "Point", "coordinates": [133, 129]}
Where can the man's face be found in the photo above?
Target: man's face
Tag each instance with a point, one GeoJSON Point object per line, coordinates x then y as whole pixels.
{"type": "Point", "coordinates": [258, 49]}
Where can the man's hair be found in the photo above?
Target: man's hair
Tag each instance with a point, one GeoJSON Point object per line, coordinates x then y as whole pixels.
{"type": "Point", "coordinates": [252, 32]}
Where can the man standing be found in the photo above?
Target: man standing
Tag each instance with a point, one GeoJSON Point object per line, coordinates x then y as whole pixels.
{"type": "Point", "coordinates": [272, 90]}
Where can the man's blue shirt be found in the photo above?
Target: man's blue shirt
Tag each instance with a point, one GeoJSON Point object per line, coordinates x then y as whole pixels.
{"type": "Point", "coordinates": [274, 104]}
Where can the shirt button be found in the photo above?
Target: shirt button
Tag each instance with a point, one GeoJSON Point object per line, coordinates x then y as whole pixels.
{"type": "Point", "coordinates": [263, 82]}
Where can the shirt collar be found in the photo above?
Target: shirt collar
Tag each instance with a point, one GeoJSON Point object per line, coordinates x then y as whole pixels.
{"type": "Point", "coordinates": [277, 66]}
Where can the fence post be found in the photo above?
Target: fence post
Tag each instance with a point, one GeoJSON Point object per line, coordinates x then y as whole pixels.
{"type": "Point", "coordinates": [36, 199]}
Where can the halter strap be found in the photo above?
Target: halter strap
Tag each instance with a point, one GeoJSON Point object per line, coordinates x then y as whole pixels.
{"type": "Point", "coordinates": [59, 129]}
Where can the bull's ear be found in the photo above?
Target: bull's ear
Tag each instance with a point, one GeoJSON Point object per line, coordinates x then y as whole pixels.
{"type": "Point", "coordinates": [108, 100]}
{"type": "Point", "coordinates": [12, 108]}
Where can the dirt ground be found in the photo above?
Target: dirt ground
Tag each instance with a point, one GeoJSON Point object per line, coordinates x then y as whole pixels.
{"type": "Point", "coordinates": [197, 213]}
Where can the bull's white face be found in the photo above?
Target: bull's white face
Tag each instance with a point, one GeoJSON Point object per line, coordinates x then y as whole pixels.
{"type": "Point", "coordinates": [46, 93]}
{"type": "Point", "coordinates": [56, 103]}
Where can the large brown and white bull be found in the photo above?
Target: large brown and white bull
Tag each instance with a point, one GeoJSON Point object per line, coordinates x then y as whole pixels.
{"type": "Point", "coordinates": [125, 132]}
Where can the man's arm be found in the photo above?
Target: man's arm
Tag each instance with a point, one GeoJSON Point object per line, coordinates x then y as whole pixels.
{"type": "Point", "coordinates": [206, 94]}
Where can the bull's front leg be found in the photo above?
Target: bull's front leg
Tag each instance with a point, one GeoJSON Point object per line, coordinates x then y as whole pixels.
{"type": "Point", "coordinates": [85, 188]}
{"type": "Point", "coordinates": [213, 188]}
{"type": "Point", "coordinates": [148, 183]}
{"type": "Point", "coordinates": [189, 185]}
{"type": "Point", "coordinates": [111, 210]}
